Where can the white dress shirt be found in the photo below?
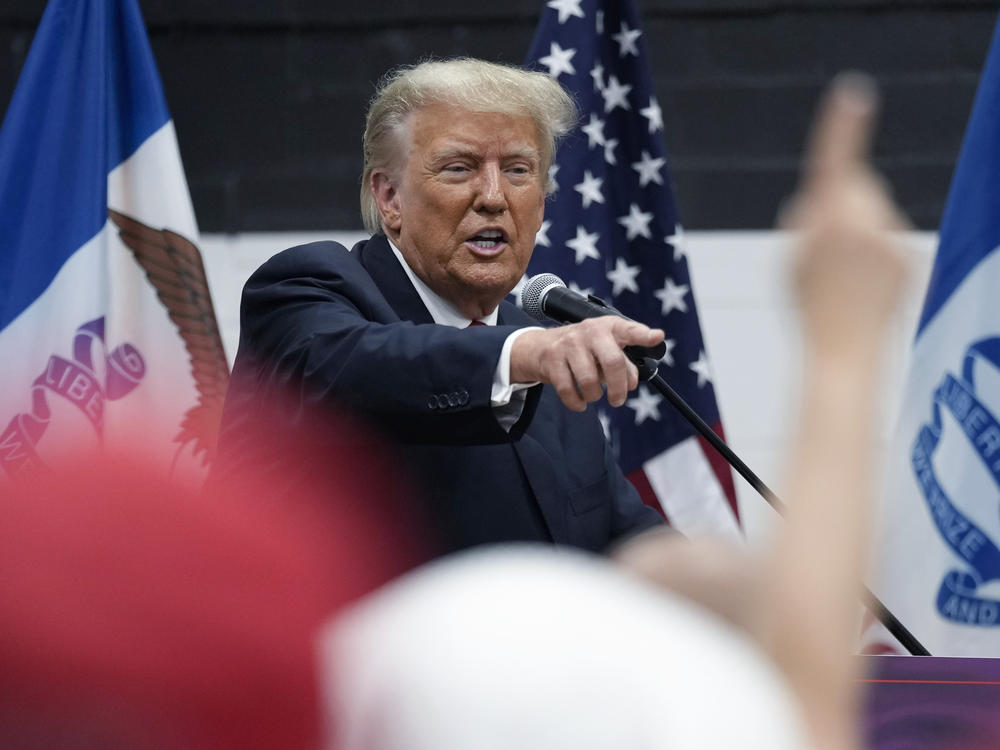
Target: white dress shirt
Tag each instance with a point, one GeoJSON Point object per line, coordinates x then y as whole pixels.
{"type": "Point", "coordinates": [507, 398]}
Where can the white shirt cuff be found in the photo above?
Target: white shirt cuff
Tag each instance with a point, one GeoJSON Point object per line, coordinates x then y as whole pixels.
{"type": "Point", "coordinates": [508, 398]}
{"type": "Point", "coordinates": [503, 389]}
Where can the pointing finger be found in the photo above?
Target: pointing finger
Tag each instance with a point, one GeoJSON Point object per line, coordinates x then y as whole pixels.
{"type": "Point", "coordinates": [629, 332]}
{"type": "Point", "coordinates": [842, 134]}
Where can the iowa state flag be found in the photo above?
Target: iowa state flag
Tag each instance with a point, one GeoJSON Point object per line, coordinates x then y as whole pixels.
{"type": "Point", "coordinates": [106, 324]}
{"type": "Point", "coordinates": [938, 534]}
{"type": "Point", "coordinates": [612, 230]}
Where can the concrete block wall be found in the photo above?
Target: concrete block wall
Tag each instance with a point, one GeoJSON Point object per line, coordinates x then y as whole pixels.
{"type": "Point", "coordinates": [268, 95]}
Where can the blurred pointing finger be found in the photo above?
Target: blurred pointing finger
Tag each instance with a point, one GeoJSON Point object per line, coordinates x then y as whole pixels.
{"type": "Point", "coordinates": [843, 129]}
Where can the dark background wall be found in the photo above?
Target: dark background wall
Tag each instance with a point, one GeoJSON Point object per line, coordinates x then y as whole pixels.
{"type": "Point", "coordinates": [268, 97]}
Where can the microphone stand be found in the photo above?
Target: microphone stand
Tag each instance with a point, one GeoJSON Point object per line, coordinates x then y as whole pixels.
{"type": "Point", "coordinates": [648, 371]}
{"type": "Point", "coordinates": [647, 366]}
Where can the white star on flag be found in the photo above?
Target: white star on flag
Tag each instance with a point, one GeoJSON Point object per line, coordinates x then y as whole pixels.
{"type": "Point", "coordinates": [542, 235]}
{"type": "Point", "coordinates": [594, 130]}
{"type": "Point", "coordinates": [632, 234]}
{"type": "Point", "coordinates": [558, 60]}
{"type": "Point", "coordinates": [622, 277]}
{"type": "Point", "coordinates": [654, 114]}
{"type": "Point", "coordinates": [672, 296]}
{"type": "Point", "coordinates": [615, 94]}
{"type": "Point", "coordinates": [636, 223]}
{"type": "Point", "coordinates": [553, 171]}
{"type": "Point", "coordinates": [605, 424]}
{"type": "Point", "coordinates": [566, 9]}
{"type": "Point", "coordinates": [668, 355]}
{"type": "Point", "coordinates": [649, 169]}
{"type": "Point", "coordinates": [626, 39]}
{"type": "Point", "coordinates": [584, 244]}
{"type": "Point", "coordinates": [646, 405]}
{"type": "Point", "coordinates": [590, 189]}
{"type": "Point", "coordinates": [597, 73]}
{"type": "Point", "coordinates": [609, 151]}
{"type": "Point", "coordinates": [677, 241]}
{"type": "Point", "coordinates": [582, 291]}
{"type": "Point", "coordinates": [700, 366]}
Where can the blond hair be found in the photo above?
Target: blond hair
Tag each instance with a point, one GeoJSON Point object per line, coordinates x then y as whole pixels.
{"type": "Point", "coordinates": [476, 85]}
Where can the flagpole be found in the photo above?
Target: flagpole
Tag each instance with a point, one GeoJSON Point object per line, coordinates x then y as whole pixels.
{"type": "Point", "coordinates": [648, 372]}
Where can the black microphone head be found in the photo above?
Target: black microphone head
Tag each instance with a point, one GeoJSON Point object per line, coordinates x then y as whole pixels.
{"type": "Point", "coordinates": [533, 293]}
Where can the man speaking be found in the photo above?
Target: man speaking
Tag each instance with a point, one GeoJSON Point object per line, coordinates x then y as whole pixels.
{"type": "Point", "coordinates": [410, 328]}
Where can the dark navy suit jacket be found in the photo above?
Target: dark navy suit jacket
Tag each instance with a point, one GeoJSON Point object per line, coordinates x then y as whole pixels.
{"type": "Point", "coordinates": [349, 328]}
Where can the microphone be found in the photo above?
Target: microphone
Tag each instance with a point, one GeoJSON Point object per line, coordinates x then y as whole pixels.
{"type": "Point", "coordinates": [546, 296]}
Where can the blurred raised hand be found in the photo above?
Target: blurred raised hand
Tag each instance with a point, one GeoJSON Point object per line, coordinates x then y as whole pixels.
{"type": "Point", "coordinates": [849, 271]}
{"type": "Point", "coordinates": [848, 277]}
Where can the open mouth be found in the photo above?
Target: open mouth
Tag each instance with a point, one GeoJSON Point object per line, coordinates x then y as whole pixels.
{"type": "Point", "coordinates": [488, 239]}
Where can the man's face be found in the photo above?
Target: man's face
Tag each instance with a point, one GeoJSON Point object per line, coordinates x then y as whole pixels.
{"type": "Point", "coordinates": [465, 202]}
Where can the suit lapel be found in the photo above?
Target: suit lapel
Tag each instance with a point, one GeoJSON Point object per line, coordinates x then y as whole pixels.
{"type": "Point", "coordinates": [509, 314]}
{"type": "Point", "coordinates": [381, 264]}
{"type": "Point", "coordinates": [536, 466]}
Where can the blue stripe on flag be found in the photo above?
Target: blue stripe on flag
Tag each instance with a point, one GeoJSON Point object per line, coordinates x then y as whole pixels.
{"type": "Point", "coordinates": [970, 227]}
{"type": "Point", "coordinates": [89, 79]}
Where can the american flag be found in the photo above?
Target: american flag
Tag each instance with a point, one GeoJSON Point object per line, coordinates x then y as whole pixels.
{"type": "Point", "coordinates": [611, 229]}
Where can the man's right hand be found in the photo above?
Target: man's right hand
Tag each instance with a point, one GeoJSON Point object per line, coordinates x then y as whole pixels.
{"type": "Point", "coordinates": [579, 360]}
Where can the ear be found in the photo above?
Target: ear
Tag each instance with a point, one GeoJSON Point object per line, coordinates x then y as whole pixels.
{"type": "Point", "coordinates": [386, 195]}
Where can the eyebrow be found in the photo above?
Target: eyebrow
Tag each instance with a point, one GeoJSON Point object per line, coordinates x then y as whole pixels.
{"type": "Point", "coordinates": [458, 151]}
